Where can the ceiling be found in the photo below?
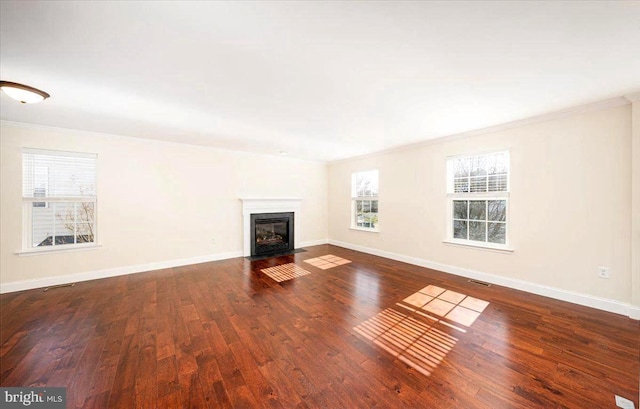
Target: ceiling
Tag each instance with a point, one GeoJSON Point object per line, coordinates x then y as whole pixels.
{"type": "Point", "coordinates": [318, 80]}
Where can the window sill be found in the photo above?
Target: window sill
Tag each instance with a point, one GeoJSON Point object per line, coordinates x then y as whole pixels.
{"type": "Point", "coordinates": [364, 229]}
{"type": "Point", "coordinates": [497, 249]}
{"type": "Point", "coordinates": [35, 252]}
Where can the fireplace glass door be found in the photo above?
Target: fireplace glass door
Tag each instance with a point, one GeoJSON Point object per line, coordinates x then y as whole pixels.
{"type": "Point", "coordinates": [272, 233]}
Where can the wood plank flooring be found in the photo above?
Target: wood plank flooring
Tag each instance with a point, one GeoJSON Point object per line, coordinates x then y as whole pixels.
{"type": "Point", "coordinates": [357, 332]}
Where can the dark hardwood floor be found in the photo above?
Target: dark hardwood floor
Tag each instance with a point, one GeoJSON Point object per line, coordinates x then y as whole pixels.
{"type": "Point", "coordinates": [351, 335]}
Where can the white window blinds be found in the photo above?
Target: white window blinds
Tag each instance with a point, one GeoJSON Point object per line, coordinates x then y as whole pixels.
{"type": "Point", "coordinates": [55, 176]}
{"type": "Point", "coordinates": [479, 174]}
{"type": "Point", "coordinates": [365, 184]}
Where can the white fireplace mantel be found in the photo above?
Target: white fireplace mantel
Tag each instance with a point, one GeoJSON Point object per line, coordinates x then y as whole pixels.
{"type": "Point", "coordinates": [269, 205]}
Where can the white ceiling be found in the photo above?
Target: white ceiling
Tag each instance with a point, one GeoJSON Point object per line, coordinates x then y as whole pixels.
{"type": "Point", "coordinates": [320, 80]}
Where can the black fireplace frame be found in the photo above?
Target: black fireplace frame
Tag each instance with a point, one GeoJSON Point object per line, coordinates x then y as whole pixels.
{"type": "Point", "coordinates": [289, 217]}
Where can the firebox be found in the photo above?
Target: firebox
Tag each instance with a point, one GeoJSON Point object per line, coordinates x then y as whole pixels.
{"type": "Point", "coordinates": [271, 233]}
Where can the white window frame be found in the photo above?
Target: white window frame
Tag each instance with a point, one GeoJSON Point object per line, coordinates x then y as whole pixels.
{"type": "Point", "coordinates": [355, 199]}
{"type": "Point", "coordinates": [477, 196]}
{"type": "Point", "coordinates": [28, 207]}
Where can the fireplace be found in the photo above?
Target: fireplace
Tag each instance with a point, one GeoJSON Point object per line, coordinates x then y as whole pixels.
{"type": "Point", "coordinates": [268, 205]}
{"type": "Point", "coordinates": [271, 233]}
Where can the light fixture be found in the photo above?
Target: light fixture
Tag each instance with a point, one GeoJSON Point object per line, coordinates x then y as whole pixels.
{"type": "Point", "coordinates": [23, 93]}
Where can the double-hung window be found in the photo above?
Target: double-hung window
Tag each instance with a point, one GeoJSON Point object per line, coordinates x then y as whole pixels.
{"type": "Point", "coordinates": [478, 199]}
{"type": "Point", "coordinates": [58, 199]}
{"type": "Point", "coordinates": [364, 200]}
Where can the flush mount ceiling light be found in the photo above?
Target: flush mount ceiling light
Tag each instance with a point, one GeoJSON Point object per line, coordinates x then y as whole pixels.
{"type": "Point", "coordinates": [23, 93]}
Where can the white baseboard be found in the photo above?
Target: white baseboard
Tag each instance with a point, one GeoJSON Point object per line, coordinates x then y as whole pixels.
{"type": "Point", "coordinates": [314, 243]}
{"type": "Point", "coordinates": [111, 272]}
{"type": "Point", "coordinates": [563, 295]}
{"type": "Point", "coordinates": [539, 289]}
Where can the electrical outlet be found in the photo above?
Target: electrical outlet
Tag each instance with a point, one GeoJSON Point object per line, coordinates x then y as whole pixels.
{"type": "Point", "coordinates": [624, 403]}
{"type": "Point", "coordinates": [603, 272]}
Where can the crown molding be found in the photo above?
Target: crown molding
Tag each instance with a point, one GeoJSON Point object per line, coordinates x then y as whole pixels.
{"type": "Point", "coordinates": [635, 97]}
{"type": "Point", "coordinates": [80, 132]}
{"type": "Point", "coordinates": [564, 113]}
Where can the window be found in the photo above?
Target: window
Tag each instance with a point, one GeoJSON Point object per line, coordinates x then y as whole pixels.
{"type": "Point", "coordinates": [364, 194]}
{"type": "Point", "coordinates": [478, 192]}
{"type": "Point", "coordinates": [58, 198]}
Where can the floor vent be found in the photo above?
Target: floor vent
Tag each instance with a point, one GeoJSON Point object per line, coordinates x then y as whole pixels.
{"type": "Point", "coordinates": [624, 403]}
{"type": "Point", "coordinates": [480, 283]}
{"type": "Point", "coordinates": [53, 287]}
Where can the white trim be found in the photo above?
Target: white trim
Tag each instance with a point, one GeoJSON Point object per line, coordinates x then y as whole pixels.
{"type": "Point", "coordinates": [269, 205]}
{"type": "Point", "coordinates": [111, 272]}
{"type": "Point", "coordinates": [314, 243]}
{"type": "Point", "coordinates": [55, 152]}
{"type": "Point", "coordinates": [635, 97]}
{"type": "Point", "coordinates": [480, 245]}
{"type": "Point", "coordinates": [60, 199]}
{"type": "Point", "coordinates": [60, 248]}
{"type": "Point", "coordinates": [564, 113]}
{"type": "Point", "coordinates": [373, 230]}
{"type": "Point", "coordinates": [501, 195]}
{"type": "Point", "coordinates": [479, 153]}
{"type": "Point", "coordinates": [604, 304]}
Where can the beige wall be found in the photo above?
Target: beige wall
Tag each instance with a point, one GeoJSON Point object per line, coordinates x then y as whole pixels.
{"type": "Point", "coordinates": [570, 203]}
{"type": "Point", "coordinates": [157, 201]}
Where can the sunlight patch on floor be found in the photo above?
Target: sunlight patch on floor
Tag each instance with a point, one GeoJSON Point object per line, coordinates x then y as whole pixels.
{"type": "Point", "coordinates": [326, 262]}
{"type": "Point", "coordinates": [431, 317]}
{"type": "Point", "coordinates": [416, 343]}
{"type": "Point", "coordinates": [285, 272]}
{"type": "Point", "coordinates": [457, 307]}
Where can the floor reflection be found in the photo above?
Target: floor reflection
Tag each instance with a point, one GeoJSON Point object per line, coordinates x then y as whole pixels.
{"type": "Point", "coordinates": [367, 287]}
{"type": "Point", "coordinates": [418, 342]}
